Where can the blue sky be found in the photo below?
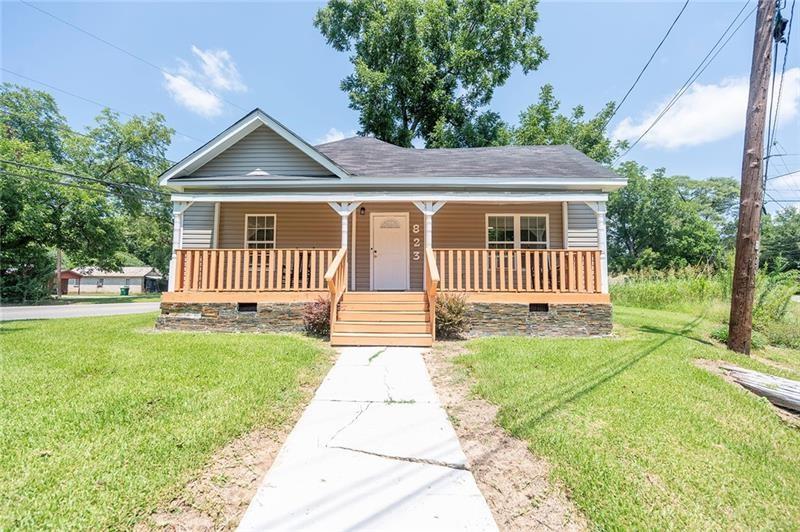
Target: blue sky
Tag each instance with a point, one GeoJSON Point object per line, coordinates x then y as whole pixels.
{"type": "Point", "coordinates": [268, 54]}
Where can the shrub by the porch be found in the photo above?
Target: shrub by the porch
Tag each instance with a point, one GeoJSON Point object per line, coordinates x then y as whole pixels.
{"type": "Point", "coordinates": [317, 317]}
{"type": "Point", "coordinates": [451, 315]}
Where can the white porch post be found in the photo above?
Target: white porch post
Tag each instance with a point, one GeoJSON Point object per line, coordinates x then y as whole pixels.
{"type": "Point", "coordinates": [428, 209]}
{"type": "Point", "coordinates": [344, 209]}
{"type": "Point", "coordinates": [565, 224]}
{"type": "Point", "coordinates": [215, 234]}
{"type": "Point", "coordinates": [600, 213]}
{"type": "Point", "coordinates": [178, 208]}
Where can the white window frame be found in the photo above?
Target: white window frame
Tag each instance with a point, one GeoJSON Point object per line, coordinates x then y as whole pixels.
{"type": "Point", "coordinates": [518, 227]}
{"type": "Point", "coordinates": [274, 231]}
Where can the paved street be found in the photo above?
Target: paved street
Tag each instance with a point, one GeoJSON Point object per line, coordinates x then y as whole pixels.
{"type": "Point", "coordinates": [374, 450]}
{"type": "Point", "coordinates": [49, 312]}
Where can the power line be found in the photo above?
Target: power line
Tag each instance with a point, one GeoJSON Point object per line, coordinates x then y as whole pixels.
{"type": "Point", "coordinates": [772, 124]}
{"type": "Point", "coordinates": [647, 64]}
{"type": "Point", "coordinates": [85, 99]}
{"type": "Point", "coordinates": [63, 184]}
{"type": "Point", "coordinates": [134, 187]}
{"type": "Point", "coordinates": [784, 175]}
{"type": "Point", "coordinates": [698, 71]}
{"type": "Point", "coordinates": [116, 47]}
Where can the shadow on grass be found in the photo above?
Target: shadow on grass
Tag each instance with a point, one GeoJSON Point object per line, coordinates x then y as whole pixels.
{"type": "Point", "coordinates": [659, 330]}
{"type": "Point", "coordinates": [593, 377]}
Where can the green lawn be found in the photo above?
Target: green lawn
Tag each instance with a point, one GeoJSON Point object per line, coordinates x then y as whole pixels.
{"type": "Point", "coordinates": [642, 437]}
{"type": "Point", "coordinates": [103, 418]}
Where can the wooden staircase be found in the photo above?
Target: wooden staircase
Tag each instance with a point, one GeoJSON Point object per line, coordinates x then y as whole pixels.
{"type": "Point", "coordinates": [383, 318]}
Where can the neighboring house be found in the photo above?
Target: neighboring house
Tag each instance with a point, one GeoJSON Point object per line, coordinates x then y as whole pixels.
{"type": "Point", "coordinates": [265, 222]}
{"type": "Point", "coordinates": [138, 279]}
{"type": "Point", "coordinates": [66, 277]}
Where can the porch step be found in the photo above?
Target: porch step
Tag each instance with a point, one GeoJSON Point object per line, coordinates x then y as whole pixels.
{"type": "Point", "coordinates": [383, 327]}
{"type": "Point", "coordinates": [403, 339]}
{"type": "Point", "coordinates": [384, 306]}
{"type": "Point", "coordinates": [371, 297]}
{"type": "Point", "coordinates": [385, 315]}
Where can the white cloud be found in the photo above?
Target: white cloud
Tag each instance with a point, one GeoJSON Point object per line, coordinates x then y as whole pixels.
{"type": "Point", "coordinates": [707, 113]}
{"type": "Point", "coordinates": [219, 69]}
{"type": "Point", "coordinates": [196, 86]}
{"type": "Point", "coordinates": [193, 97]}
{"type": "Point", "coordinates": [333, 135]}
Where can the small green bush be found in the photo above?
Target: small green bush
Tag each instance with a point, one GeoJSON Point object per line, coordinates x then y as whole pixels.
{"type": "Point", "coordinates": [451, 316]}
{"type": "Point", "coordinates": [317, 317]}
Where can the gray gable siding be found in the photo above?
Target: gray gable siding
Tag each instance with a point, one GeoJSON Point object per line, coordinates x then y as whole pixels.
{"type": "Point", "coordinates": [264, 149]}
{"type": "Point", "coordinates": [198, 225]}
{"type": "Point", "coordinates": [582, 226]}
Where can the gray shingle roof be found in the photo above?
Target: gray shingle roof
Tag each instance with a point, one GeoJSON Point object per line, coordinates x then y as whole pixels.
{"type": "Point", "coordinates": [367, 156]}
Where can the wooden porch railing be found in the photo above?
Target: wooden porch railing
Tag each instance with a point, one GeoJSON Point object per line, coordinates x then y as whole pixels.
{"type": "Point", "coordinates": [336, 277]}
{"type": "Point", "coordinates": [214, 270]}
{"type": "Point", "coordinates": [519, 270]}
{"type": "Point", "coordinates": [431, 285]}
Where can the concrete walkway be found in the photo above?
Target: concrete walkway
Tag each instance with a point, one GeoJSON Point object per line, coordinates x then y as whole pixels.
{"type": "Point", "coordinates": [373, 451]}
{"type": "Point", "coordinates": [49, 312]}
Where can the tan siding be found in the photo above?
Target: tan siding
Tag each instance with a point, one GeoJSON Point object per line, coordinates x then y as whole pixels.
{"type": "Point", "coordinates": [463, 225]}
{"type": "Point", "coordinates": [264, 149]}
{"type": "Point", "coordinates": [363, 242]}
{"type": "Point", "coordinates": [298, 225]}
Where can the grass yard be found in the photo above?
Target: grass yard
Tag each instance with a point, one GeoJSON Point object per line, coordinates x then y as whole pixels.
{"type": "Point", "coordinates": [100, 299]}
{"type": "Point", "coordinates": [103, 418]}
{"type": "Point", "coordinates": [641, 436]}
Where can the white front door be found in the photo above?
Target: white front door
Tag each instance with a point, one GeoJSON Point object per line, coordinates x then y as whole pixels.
{"type": "Point", "coordinates": [389, 251]}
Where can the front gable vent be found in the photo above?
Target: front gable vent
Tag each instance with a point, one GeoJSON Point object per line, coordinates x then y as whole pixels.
{"type": "Point", "coordinates": [258, 172]}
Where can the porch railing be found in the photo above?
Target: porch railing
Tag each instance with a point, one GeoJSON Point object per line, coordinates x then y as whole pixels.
{"type": "Point", "coordinates": [213, 270]}
{"type": "Point", "coordinates": [432, 280]}
{"type": "Point", "coordinates": [336, 277]}
{"type": "Point", "coordinates": [519, 270]}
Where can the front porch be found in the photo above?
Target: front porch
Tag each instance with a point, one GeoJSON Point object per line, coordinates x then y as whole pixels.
{"type": "Point", "coordinates": [257, 263]}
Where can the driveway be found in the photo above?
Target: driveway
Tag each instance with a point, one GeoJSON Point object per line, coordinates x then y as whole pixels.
{"type": "Point", "coordinates": [373, 450]}
{"type": "Point", "coordinates": [49, 312]}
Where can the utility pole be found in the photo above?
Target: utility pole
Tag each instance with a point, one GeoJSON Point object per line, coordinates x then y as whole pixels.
{"type": "Point", "coordinates": [751, 199]}
{"type": "Point", "coordinates": [58, 273]}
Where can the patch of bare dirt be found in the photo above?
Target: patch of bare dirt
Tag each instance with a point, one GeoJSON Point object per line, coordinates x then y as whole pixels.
{"type": "Point", "coordinates": [217, 498]}
{"type": "Point", "coordinates": [714, 366]}
{"type": "Point", "coordinates": [514, 482]}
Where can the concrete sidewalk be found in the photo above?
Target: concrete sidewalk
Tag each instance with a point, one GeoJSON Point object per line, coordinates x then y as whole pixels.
{"type": "Point", "coordinates": [373, 451]}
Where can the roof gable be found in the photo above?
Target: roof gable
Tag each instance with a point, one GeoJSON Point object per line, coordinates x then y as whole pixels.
{"type": "Point", "coordinates": [258, 141]}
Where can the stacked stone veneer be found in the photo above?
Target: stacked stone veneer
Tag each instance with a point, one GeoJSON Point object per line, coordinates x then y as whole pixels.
{"type": "Point", "coordinates": [269, 317]}
{"type": "Point", "coordinates": [485, 319]}
{"type": "Point", "coordinates": [508, 319]}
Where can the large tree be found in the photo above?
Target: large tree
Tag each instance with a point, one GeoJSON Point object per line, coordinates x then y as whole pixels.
{"type": "Point", "coordinates": [91, 220]}
{"type": "Point", "coordinates": [419, 63]}
{"type": "Point", "coordinates": [651, 226]}
{"type": "Point", "coordinates": [780, 241]}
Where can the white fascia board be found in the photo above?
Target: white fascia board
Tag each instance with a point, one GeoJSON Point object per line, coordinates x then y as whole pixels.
{"type": "Point", "coordinates": [485, 182]}
{"type": "Point", "coordinates": [238, 131]}
{"type": "Point", "coordinates": [471, 197]}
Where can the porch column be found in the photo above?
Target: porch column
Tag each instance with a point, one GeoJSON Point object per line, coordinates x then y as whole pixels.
{"type": "Point", "coordinates": [600, 213]}
{"type": "Point", "coordinates": [565, 224]}
{"type": "Point", "coordinates": [344, 209]}
{"type": "Point", "coordinates": [178, 208]}
{"type": "Point", "coordinates": [428, 209]}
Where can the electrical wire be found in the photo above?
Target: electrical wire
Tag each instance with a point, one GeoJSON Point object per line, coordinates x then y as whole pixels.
{"type": "Point", "coordinates": [85, 99]}
{"type": "Point", "coordinates": [698, 71]}
{"type": "Point", "coordinates": [647, 64]}
{"type": "Point", "coordinates": [131, 186]}
{"type": "Point", "coordinates": [116, 47]}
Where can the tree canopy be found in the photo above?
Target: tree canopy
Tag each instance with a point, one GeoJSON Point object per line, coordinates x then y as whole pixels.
{"type": "Point", "coordinates": [419, 64]}
{"type": "Point", "coordinates": [90, 221]}
{"type": "Point", "coordinates": [780, 240]}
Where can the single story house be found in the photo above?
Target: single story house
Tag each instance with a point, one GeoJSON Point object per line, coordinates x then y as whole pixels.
{"type": "Point", "coordinates": [91, 280]}
{"type": "Point", "coordinates": [66, 277]}
{"type": "Point", "coordinates": [265, 222]}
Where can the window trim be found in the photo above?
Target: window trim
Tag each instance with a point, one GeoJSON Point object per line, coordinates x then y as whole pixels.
{"type": "Point", "coordinates": [517, 227]}
{"type": "Point", "coordinates": [245, 241]}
